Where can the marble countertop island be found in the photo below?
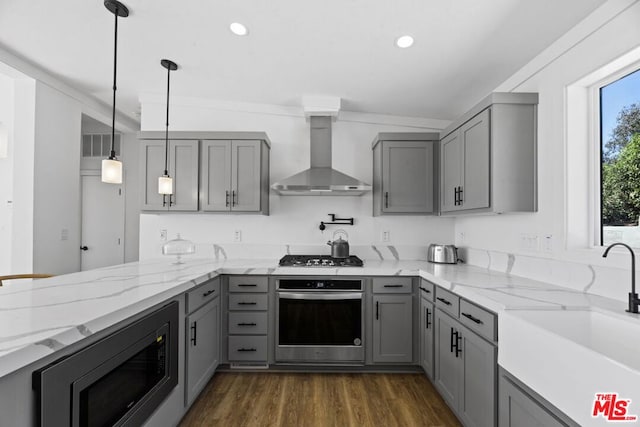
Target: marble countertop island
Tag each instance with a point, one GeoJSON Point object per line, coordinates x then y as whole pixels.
{"type": "Point", "coordinates": [42, 317]}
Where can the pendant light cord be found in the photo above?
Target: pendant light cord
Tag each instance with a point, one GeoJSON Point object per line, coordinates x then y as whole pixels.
{"type": "Point", "coordinates": [166, 132]}
{"type": "Point", "coordinates": [112, 155]}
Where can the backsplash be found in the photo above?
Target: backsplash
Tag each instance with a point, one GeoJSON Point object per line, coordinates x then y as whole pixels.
{"type": "Point", "coordinates": [232, 251]}
{"type": "Point", "coordinates": [610, 282]}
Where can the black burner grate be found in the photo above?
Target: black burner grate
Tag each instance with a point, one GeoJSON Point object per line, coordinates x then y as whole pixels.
{"type": "Point", "coordinates": [319, 261]}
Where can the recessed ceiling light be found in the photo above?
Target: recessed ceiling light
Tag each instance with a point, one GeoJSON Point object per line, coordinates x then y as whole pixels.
{"type": "Point", "coordinates": [404, 41]}
{"type": "Point", "coordinates": [238, 29]}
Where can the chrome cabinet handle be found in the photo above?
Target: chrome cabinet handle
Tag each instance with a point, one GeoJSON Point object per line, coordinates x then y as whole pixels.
{"type": "Point", "coordinates": [460, 191]}
{"type": "Point", "coordinates": [164, 200]}
{"type": "Point", "coordinates": [206, 294]}
{"type": "Point", "coordinates": [247, 303]}
{"type": "Point", "coordinates": [425, 290]}
{"type": "Point", "coordinates": [377, 310]}
{"type": "Point", "coordinates": [247, 349]}
{"type": "Point", "coordinates": [427, 317]}
{"type": "Point", "coordinates": [247, 324]}
{"type": "Point", "coordinates": [233, 198]}
{"type": "Point", "coordinates": [386, 199]}
{"type": "Point", "coordinates": [226, 195]}
{"type": "Point", "coordinates": [245, 285]}
{"type": "Point", "coordinates": [393, 286]}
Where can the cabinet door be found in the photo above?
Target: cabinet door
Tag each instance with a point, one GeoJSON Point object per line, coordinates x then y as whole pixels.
{"type": "Point", "coordinates": [477, 406]}
{"type": "Point", "coordinates": [451, 162]}
{"type": "Point", "coordinates": [183, 167]}
{"type": "Point", "coordinates": [426, 336]}
{"type": "Point", "coordinates": [392, 328]}
{"type": "Point", "coordinates": [203, 347]}
{"type": "Point", "coordinates": [519, 409]}
{"type": "Point", "coordinates": [215, 166]}
{"type": "Point", "coordinates": [151, 167]}
{"type": "Point", "coordinates": [407, 176]}
{"type": "Point", "coordinates": [476, 139]}
{"type": "Point", "coordinates": [245, 176]}
{"type": "Point", "coordinates": [447, 365]}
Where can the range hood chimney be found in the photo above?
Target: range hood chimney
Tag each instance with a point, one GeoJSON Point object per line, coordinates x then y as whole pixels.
{"type": "Point", "coordinates": [320, 179]}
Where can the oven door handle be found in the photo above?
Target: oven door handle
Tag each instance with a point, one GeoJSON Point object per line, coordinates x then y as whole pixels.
{"type": "Point", "coordinates": [320, 296]}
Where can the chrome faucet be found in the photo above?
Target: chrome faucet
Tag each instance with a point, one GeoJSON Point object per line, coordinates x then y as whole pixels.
{"type": "Point", "coordinates": [634, 301]}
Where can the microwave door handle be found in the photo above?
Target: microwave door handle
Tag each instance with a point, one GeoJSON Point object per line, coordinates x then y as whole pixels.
{"type": "Point", "coordinates": [320, 296]}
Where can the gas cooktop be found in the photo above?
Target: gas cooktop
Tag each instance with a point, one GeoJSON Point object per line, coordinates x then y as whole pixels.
{"type": "Point", "coordinates": [319, 261]}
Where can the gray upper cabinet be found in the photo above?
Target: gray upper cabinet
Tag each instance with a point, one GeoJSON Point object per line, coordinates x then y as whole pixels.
{"type": "Point", "coordinates": [212, 171]}
{"type": "Point", "coordinates": [403, 173]}
{"type": "Point", "coordinates": [235, 176]}
{"type": "Point", "coordinates": [488, 157]}
{"type": "Point", "coordinates": [183, 168]}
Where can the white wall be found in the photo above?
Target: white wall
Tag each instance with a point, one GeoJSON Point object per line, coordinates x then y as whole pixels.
{"type": "Point", "coordinates": [603, 37]}
{"type": "Point", "coordinates": [57, 182]}
{"type": "Point", "coordinates": [6, 173]}
{"type": "Point", "coordinates": [22, 235]}
{"type": "Point", "coordinates": [293, 219]}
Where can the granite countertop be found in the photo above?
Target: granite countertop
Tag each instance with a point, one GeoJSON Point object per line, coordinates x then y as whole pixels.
{"type": "Point", "coordinates": [41, 317]}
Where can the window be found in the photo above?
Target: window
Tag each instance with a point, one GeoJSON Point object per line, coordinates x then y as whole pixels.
{"type": "Point", "coordinates": [619, 102]}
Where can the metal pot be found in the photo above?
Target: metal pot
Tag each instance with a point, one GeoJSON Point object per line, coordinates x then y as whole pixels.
{"type": "Point", "coordinates": [340, 246]}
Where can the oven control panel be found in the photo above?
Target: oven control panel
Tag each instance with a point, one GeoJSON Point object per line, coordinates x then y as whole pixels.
{"type": "Point", "coordinates": [319, 285]}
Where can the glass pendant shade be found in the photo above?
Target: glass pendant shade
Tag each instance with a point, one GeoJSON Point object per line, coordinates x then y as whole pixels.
{"type": "Point", "coordinates": [112, 171]}
{"type": "Point", "coordinates": [165, 184]}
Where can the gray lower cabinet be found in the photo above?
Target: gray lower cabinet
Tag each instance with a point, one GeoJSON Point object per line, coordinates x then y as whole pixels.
{"type": "Point", "coordinates": [234, 176]}
{"type": "Point", "coordinates": [182, 167]}
{"type": "Point", "coordinates": [403, 169]}
{"type": "Point", "coordinates": [203, 339]}
{"type": "Point", "coordinates": [392, 328]}
{"type": "Point", "coordinates": [519, 408]}
{"type": "Point", "coordinates": [465, 371]}
{"type": "Point", "coordinates": [247, 320]}
{"type": "Point", "coordinates": [426, 333]}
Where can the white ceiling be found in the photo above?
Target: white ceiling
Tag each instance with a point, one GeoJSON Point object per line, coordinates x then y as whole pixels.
{"type": "Point", "coordinates": [463, 48]}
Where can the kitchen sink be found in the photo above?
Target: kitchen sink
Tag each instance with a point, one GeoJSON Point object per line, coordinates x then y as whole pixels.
{"type": "Point", "coordinates": [570, 356]}
{"type": "Point", "coordinates": [616, 337]}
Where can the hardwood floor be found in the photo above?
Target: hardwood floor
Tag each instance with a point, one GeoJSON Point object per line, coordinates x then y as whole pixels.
{"type": "Point", "coordinates": [319, 399]}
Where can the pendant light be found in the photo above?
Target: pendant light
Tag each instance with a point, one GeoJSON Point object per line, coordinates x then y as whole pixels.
{"type": "Point", "coordinates": [165, 182]}
{"type": "Point", "coordinates": [112, 167]}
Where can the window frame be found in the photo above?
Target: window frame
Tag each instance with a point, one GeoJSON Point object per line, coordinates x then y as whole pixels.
{"type": "Point", "coordinates": [595, 135]}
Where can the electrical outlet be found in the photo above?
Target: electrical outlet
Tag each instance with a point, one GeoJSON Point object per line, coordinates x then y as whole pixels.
{"type": "Point", "coordinates": [461, 237]}
{"type": "Point", "coordinates": [64, 234]}
{"type": "Point", "coordinates": [529, 242]}
{"type": "Point", "coordinates": [237, 235]}
{"type": "Point", "coordinates": [163, 235]}
{"type": "Point", "coordinates": [547, 243]}
{"type": "Point", "coordinates": [385, 236]}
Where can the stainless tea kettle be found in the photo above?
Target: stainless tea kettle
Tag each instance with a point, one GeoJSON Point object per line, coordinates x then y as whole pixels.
{"type": "Point", "coordinates": [339, 247]}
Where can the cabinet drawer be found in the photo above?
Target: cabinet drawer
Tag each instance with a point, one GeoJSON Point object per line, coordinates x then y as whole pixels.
{"type": "Point", "coordinates": [247, 347]}
{"type": "Point", "coordinates": [427, 290]}
{"type": "Point", "coordinates": [392, 285]}
{"type": "Point", "coordinates": [248, 284]}
{"type": "Point", "coordinates": [447, 301]}
{"type": "Point", "coordinates": [478, 320]}
{"type": "Point", "coordinates": [202, 294]}
{"type": "Point", "coordinates": [247, 302]}
{"type": "Point", "coordinates": [247, 323]}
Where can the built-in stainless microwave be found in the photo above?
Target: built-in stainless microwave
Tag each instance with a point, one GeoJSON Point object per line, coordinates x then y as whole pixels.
{"type": "Point", "coordinates": [117, 381]}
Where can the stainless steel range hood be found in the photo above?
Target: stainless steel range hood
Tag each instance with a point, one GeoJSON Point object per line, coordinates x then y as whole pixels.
{"type": "Point", "coordinates": [321, 179]}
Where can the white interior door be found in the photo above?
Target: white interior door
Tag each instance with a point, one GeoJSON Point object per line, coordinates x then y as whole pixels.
{"type": "Point", "coordinates": [102, 223]}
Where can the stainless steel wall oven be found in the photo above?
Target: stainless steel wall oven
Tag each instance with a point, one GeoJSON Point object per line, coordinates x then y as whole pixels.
{"type": "Point", "coordinates": [117, 381]}
{"type": "Point", "coordinates": [319, 320]}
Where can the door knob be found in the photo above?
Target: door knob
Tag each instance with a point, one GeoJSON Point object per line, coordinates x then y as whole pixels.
{"type": "Point", "coordinates": [84, 248]}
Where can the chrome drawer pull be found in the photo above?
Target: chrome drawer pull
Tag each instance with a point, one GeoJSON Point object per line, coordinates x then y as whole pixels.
{"type": "Point", "coordinates": [247, 349]}
{"type": "Point", "coordinates": [206, 294]}
{"type": "Point", "coordinates": [393, 286]}
{"type": "Point", "coordinates": [473, 319]}
{"type": "Point", "coordinates": [425, 289]}
{"type": "Point", "coordinates": [247, 324]}
{"type": "Point", "coordinates": [244, 285]}
{"type": "Point", "coordinates": [247, 303]}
